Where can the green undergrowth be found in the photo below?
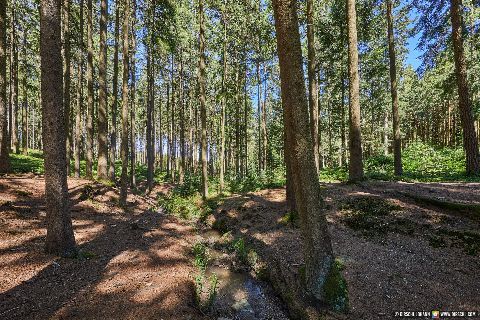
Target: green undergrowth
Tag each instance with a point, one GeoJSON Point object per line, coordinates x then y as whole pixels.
{"type": "Point", "coordinates": [421, 163]}
{"type": "Point", "coordinates": [205, 286]}
{"type": "Point", "coordinates": [467, 240]}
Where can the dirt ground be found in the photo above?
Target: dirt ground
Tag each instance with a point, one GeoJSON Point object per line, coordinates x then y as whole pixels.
{"type": "Point", "coordinates": [137, 264]}
{"type": "Point", "coordinates": [418, 261]}
{"type": "Point", "coordinates": [134, 264]}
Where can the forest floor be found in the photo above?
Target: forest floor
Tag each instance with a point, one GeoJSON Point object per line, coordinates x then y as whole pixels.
{"type": "Point", "coordinates": [134, 264]}
{"type": "Point", "coordinates": [403, 246]}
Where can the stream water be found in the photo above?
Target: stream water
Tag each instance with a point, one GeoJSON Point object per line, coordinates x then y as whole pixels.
{"type": "Point", "coordinates": [239, 295]}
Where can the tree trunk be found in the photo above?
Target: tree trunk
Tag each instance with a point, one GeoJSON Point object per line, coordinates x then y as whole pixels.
{"type": "Point", "coordinates": [102, 124]}
{"type": "Point", "coordinates": [150, 99]}
{"type": "Point", "coordinates": [14, 130]}
{"type": "Point", "coordinates": [124, 142]}
{"type": "Point", "coordinates": [224, 101]}
{"type": "Point", "coordinates": [470, 142]}
{"type": "Point", "coordinates": [113, 126]}
{"type": "Point", "coordinates": [66, 77]}
{"type": "Point", "coordinates": [181, 169]}
{"type": "Point", "coordinates": [78, 116]}
{"type": "Point", "coordinates": [60, 238]}
{"type": "Point", "coordinates": [356, 162]}
{"type": "Point", "coordinates": [90, 108]}
{"type": "Point", "coordinates": [312, 82]}
{"type": "Point", "coordinates": [25, 98]}
{"type": "Point", "coordinates": [397, 140]}
{"type": "Point", "coordinates": [203, 107]}
{"type": "Point", "coordinates": [133, 102]}
{"type": "Point", "coordinates": [317, 245]}
{"type": "Point", "coordinates": [4, 144]}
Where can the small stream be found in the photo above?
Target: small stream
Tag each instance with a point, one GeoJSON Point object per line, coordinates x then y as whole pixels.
{"type": "Point", "coordinates": [239, 295]}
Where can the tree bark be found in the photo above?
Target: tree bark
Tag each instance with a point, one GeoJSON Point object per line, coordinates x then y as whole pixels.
{"type": "Point", "coordinates": [66, 77]}
{"type": "Point", "coordinates": [181, 169]}
{"type": "Point", "coordinates": [4, 143]}
{"type": "Point", "coordinates": [224, 101]}
{"type": "Point", "coordinates": [356, 162]}
{"type": "Point", "coordinates": [124, 142]}
{"type": "Point", "coordinates": [102, 124]}
{"type": "Point", "coordinates": [90, 107]}
{"type": "Point", "coordinates": [25, 97]}
{"type": "Point", "coordinates": [397, 140]}
{"type": "Point", "coordinates": [150, 100]}
{"type": "Point", "coordinates": [317, 245]}
{"type": "Point", "coordinates": [203, 108]}
{"type": "Point", "coordinates": [133, 102]}
{"type": "Point", "coordinates": [113, 126]}
{"type": "Point", "coordinates": [312, 82]}
{"type": "Point", "coordinates": [78, 115]}
{"type": "Point", "coordinates": [470, 142]}
{"type": "Point", "coordinates": [60, 238]}
{"type": "Point", "coordinates": [14, 122]}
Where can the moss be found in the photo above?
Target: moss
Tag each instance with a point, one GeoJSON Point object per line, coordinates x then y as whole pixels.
{"type": "Point", "coordinates": [336, 290]}
{"type": "Point", "coordinates": [468, 240]}
{"type": "Point", "coordinates": [290, 218]}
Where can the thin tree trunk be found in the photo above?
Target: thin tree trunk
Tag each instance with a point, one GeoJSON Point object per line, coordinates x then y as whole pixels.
{"type": "Point", "coordinates": [224, 101]}
{"type": "Point", "coordinates": [60, 238]}
{"type": "Point", "coordinates": [181, 169]}
{"type": "Point", "coordinates": [397, 140]}
{"type": "Point", "coordinates": [356, 162]}
{"type": "Point", "coordinates": [78, 116]}
{"type": "Point", "coordinates": [4, 146]}
{"type": "Point", "coordinates": [312, 82]}
{"type": "Point", "coordinates": [66, 78]}
{"type": "Point", "coordinates": [133, 102]}
{"type": "Point", "coordinates": [14, 122]}
{"type": "Point", "coordinates": [203, 107]}
{"type": "Point", "coordinates": [90, 108]}
{"type": "Point", "coordinates": [318, 253]}
{"type": "Point", "coordinates": [25, 98]}
{"type": "Point", "coordinates": [113, 126]}
{"type": "Point", "coordinates": [102, 124]}
{"type": "Point", "coordinates": [124, 142]}
{"type": "Point", "coordinates": [470, 142]}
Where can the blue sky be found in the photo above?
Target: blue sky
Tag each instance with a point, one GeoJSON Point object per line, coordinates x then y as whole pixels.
{"type": "Point", "coordinates": [414, 55]}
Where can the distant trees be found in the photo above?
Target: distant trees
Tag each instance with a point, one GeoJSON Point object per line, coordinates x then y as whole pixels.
{"type": "Point", "coordinates": [60, 239]}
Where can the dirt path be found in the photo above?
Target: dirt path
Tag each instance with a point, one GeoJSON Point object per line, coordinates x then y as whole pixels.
{"type": "Point", "coordinates": [135, 264]}
{"type": "Point", "coordinates": [415, 257]}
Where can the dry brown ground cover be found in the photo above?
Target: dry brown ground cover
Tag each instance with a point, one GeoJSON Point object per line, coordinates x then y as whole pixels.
{"type": "Point", "coordinates": [134, 264]}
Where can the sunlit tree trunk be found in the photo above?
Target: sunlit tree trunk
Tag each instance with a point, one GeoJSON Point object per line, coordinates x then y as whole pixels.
{"type": "Point", "coordinates": [356, 162]}
{"type": "Point", "coordinates": [102, 121]}
{"type": "Point", "coordinates": [4, 143]}
{"type": "Point", "coordinates": [78, 114]}
{"type": "Point", "coordinates": [60, 238]}
{"type": "Point", "coordinates": [203, 107]}
{"type": "Point", "coordinates": [125, 115]}
{"type": "Point", "coordinates": [224, 101]}
{"type": "Point", "coordinates": [133, 101]}
{"type": "Point", "coordinates": [66, 77]}
{"type": "Point", "coordinates": [90, 107]}
{"type": "Point", "coordinates": [397, 140]}
{"type": "Point", "coordinates": [317, 246]}
{"type": "Point", "coordinates": [312, 81]}
{"type": "Point", "coordinates": [113, 126]}
{"type": "Point", "coordinates": [25, 98]}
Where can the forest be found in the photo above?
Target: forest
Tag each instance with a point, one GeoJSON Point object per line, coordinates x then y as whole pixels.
{"type": "Point", "coordinates": [239, 159]}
